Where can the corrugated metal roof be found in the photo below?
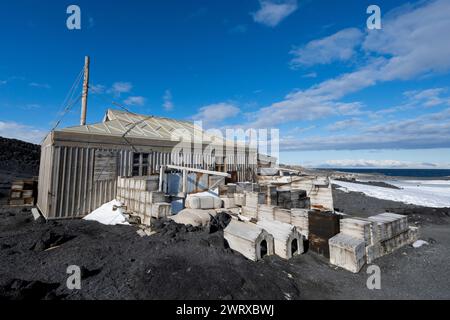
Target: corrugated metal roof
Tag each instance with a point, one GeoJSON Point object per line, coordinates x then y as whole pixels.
{"type": "Point", "coordinates": [120, 123]}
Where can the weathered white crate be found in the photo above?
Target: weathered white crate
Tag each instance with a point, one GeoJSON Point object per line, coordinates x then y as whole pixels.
{"type": "Point", "coordinates": [357, 228]}
{"type": "Point", "coordinates": [299, 219]}
{"type": "Point", "coordinates": [283, 215]}
{"type": "Point", "coordinates": [239, 199]}
{"type": "Point", "coordinates": [228, 203]}
{"type": "Point", "coordinates": [347, 252]}
{"type": "Point", "coordinates": [156, 197]}
{"type": "Point", "coordinates": [253, 199]}
{"type": "Point", "coordinates": [203, 202]}
{"type": "Point", "coordinates": [266, 212]}
{"type": "Point", "coordinates": [271, 195]}
{"type": "Point", "coordinates": [407, 237]}
{"type": "Point", "coordinates": [250, 212]}
{"type": "Point", "coordinates": [161, 210]}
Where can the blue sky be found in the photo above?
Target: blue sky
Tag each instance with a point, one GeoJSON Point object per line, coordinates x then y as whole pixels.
{"type": "Point", "coordinates": [341, 95]}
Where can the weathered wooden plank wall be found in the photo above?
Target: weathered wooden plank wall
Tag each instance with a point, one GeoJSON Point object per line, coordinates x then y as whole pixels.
{"type": "Point", "coordinates": [75, 180]}
{"type": "Point", "coordinates": [45, 176]}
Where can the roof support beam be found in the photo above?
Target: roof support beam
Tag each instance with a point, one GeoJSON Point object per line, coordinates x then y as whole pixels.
{"type": "Point", "coordinates": [213, 173]}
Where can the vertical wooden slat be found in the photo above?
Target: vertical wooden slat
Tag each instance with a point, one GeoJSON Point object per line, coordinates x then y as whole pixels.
{"type": "Point", "coordinates": [61, 208]}
{"type": "Point", "coordinates": [91, 177]}
{"type": "Point", "coordinates": [57, 181]}
{"type": "Point", "coordinates": [74, 194]}
{"type": "Point", "coordinates": [85, 179]}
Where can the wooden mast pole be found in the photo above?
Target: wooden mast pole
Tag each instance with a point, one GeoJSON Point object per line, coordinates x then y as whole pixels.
{"type": "Point", "coordinates": [84, 98]}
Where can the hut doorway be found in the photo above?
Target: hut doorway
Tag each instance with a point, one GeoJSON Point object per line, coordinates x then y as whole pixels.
{"type": "Point", "coordinates": [263, 248]}
{"type": "Point", "coordinates": [294, 247]}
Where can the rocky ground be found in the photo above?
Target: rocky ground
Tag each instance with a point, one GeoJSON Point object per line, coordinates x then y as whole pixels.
{"type": "Point", "coordinates": [181, 262]}
{"type": "Point", "coordinates": [193, 263]}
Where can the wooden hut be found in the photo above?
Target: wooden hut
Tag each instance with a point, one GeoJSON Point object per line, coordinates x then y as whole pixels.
{"type": "Point", "coordinates": [287, 240]}
{"type": "Point", "coordinates": [250, 240]}
{"type": "Point", "coordinates": [80, 165]}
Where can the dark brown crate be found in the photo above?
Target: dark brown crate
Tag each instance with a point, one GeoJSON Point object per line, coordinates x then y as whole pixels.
{"type": "Point", "coordinates": [29, 201]}
{"type": "Point", "coordinates": [319, 245]}
{"type": "Point", "coordinates": [324, 224]}
{"type": "Point", "coordinates": [16, 202]}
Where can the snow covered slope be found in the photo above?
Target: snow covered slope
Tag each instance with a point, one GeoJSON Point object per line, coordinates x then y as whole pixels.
{"type": "Point", "coordinates": [427, 193]}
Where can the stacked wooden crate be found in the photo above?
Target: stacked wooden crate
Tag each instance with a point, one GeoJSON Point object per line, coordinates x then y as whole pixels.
{"type": "Point", "coordinates": [357, 228]}
{"type": "Point", "coordinates": [284, 199]}
{"type": "Point", "coordinates": [272, 195]}
{"type": "Point", "coordinates": [407, 237]}
{"type": "Point", "coordinates": [227, 193]}
{"type": "Point", "coordinates": [253, 199]}
{"type": "Point", "coordinates": [23, 193]}
{"type": "Point", "coordinates": [136, 195]}
{"type": "Point", "coordinates": [392, 232]}
{"type": "Point", "coordinates": [288, 199]}
{"type": "Point", "coordinates": [299, 199]}
{"type": "Point", "coordinates": [242, 187]}
{"type": "Point", "coordinates": [282, 215]}
{"type": "Point", "coordinates": [348, 248]}
{"type": "Point", "coordinates": [323, 226]}
{"type": "Point", "coordinates": [266, 212]}
{"type": "Point", "coordinates": [389, 225]}
{"type": "Point", "coordinates": [380, 235]}
{"type": "Point", "coordinates": [239, 199]}
{"type": "Point", "coordinates": [299, 219]}
{"type": "Point", "coordinates": [227, 190]}
{"type": "Point", "coordinates": [347, 252]}
{"type": "Point", "coordinates": [252, 202]}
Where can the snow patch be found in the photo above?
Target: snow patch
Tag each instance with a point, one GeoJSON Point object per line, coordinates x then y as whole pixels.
{"type": "Point", "coordinates": [427, 193]}
{"type": "Point", "coordinates": [107, 215]}
{"type": "Point", "coordinates": [419, 243]}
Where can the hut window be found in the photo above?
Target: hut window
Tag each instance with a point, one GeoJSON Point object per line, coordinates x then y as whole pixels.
{"type": "Point", "coordinates": [140, 164]}
{"type": "Point", "coordinates": [145, 157]}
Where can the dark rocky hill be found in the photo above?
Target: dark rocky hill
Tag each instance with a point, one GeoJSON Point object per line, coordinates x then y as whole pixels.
{"type": "Point", "coordinates": [19, 157]}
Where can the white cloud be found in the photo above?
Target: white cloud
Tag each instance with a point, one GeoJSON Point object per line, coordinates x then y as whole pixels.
{"type": "Point", "coordinates": [310, 75]}
{"type": "Point", "coordinates": [119, 88]}
{"type": "Point", "coordinates": [20, 131]}
{"type": "Point", "coordinates": [40, 85]}
{"type": "Point", "coordinates": [340, 46]}
{"type": "Point", "coordinates": [214, 114]}
{"type": "Point", "coordinates": [413, 42]}
{"type": "Point", "coordinates": [422, 132]}
{"type": "Point", "coordinates": [416, 40]}
{"type": "Point", "coordinates": [2, 82]}
{"type": "Point", "coordinates": [272, 12]}
{"type": "Point", "coordinates": [429, 97]}
{"type": "Point", "coordinates": [301, 106]}
{"type": "Point", "coordinates": [363, 163]}
{"type": "Point", "coordinates": [299, 130]}
{"type": "Point", "coordinates": [345, 124]}
{"type": "Point", "coordinates": [135, 101]}
{"type": "Point", "coordinates": [97, 88]}
{"type": "Point", "coordinates": [168, 103]}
